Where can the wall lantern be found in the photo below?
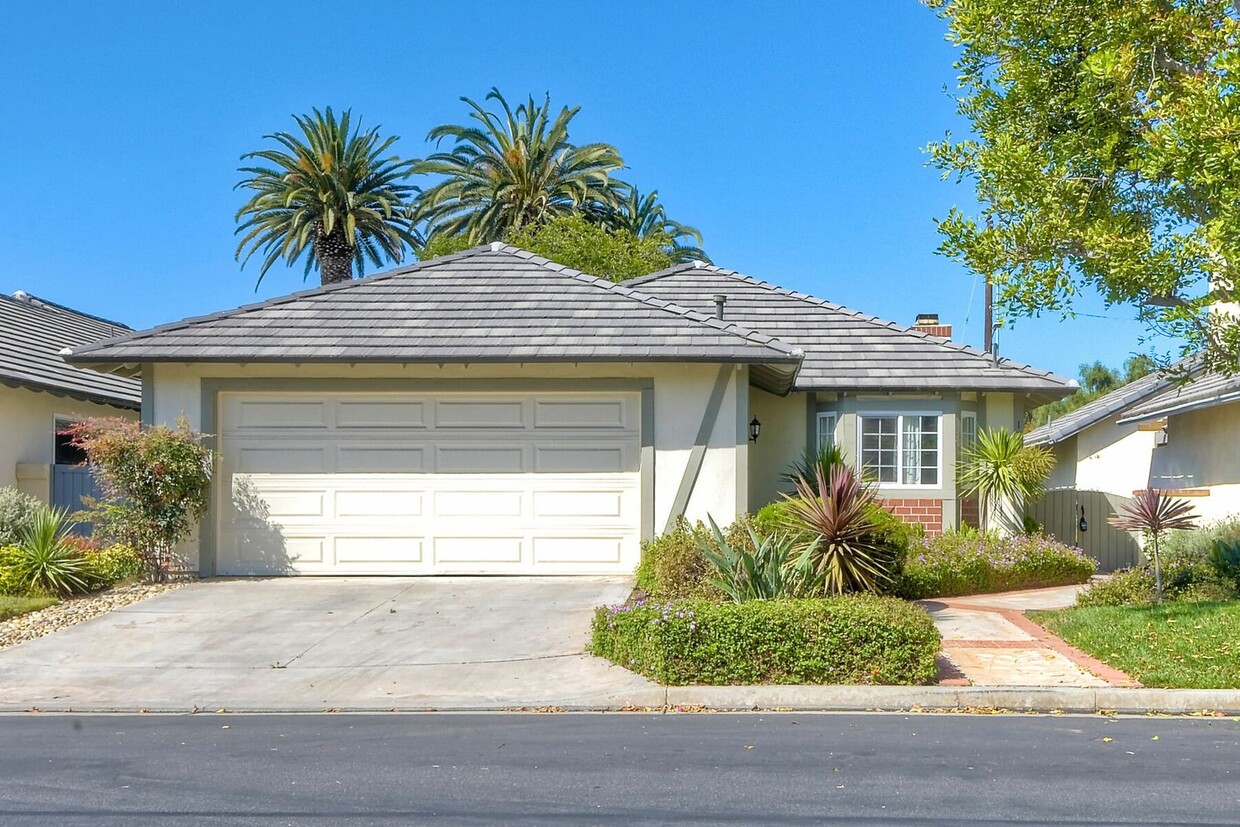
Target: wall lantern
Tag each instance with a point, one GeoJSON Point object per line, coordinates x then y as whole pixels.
{"type": "Point", "coordinates": [755, 429]}
{"type": "Point", "coordinates": [1083, 525]}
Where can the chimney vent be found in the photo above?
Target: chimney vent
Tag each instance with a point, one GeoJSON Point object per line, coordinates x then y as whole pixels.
{"type": "Point", "coordinates": [929, 324]}
{"type": "Point", "coordinates": [720, 301]}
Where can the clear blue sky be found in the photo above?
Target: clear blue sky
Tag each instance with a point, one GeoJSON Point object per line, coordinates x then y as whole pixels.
{"type": "Point", "coordinates": [790, 134]}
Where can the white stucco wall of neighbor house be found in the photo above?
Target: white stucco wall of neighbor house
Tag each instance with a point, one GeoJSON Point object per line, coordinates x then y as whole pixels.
{"type": "Point", "coordinates": [1113, 458]}
{"type": "Point", "coordinates": [1203, 452]}
{"type": "Point", "coordinates": [680, 398]}
{"type": "Point", "coordinates": [28, 420]}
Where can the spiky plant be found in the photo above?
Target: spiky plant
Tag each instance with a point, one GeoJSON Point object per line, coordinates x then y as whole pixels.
{"type": "Point", "coordinates": [742, 574]}
{"type": "Point", "coordinates": [333, 191]}
{"type": "Point", "coordinates": [1154, 514]}
{"type": "Point", "coordinates": [841, 549]}
{"type": "Point", "coordinates": [45, 561]}
{"type": "Point", "coordinates": [826, 458]}
{"type": "Point", "coordinates": [1001, 469]}
{"type": "Point", "coordinates": [510, 169]}
{"type": "Point", "coordinates": [645, 217]}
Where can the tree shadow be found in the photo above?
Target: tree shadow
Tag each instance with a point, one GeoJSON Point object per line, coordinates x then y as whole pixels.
{"type": "Point", "coordinates": [260, 543]}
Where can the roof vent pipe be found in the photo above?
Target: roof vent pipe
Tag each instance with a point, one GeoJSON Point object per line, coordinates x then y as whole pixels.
{"type": "Point", "coordinates": [720, 301]}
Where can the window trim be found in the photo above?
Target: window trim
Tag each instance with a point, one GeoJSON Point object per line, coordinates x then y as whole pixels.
{"type": "Point", "coordinates": [899, 415]}
{"type": "Point", "coordinates": [819, 419]}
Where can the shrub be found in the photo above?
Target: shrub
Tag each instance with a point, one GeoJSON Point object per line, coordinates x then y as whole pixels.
{"type": "Point", "coordinates": [763, 570]}
{"type": "Point", "coordinates": [16, 510]}
{"type": "Point", "coordinates": [839, 543]}
{"type": "Point", "coordinates": [971, 562]}
{"type": "Point", "coordinates": [1186, 579]}
{"type": "Point", "coordinates": [1154, 514]}
{"type": "Point", "coordinates": [1198, 542]}
{"type": "Point", "coordinates": [673, 566]}
{"type": "Point", "coordinates": [43, 562]}
{"type": "Point", "coordinates": [156, 482]}
{"type": "Point", "coordinates": [108, 566]}
{"type": "Point", "coordinates": [855, 639]}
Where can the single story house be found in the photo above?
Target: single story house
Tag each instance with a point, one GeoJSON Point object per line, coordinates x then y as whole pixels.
{"type": "Point", "coordinates": [40, 395]}
{"type": "Point", "coordinates": [494, 412]}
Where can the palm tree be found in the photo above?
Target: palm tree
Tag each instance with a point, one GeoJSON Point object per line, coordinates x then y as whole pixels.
{"type": "Point", "coordinates": [510, 169]}
{"type": "Point", "coordinates": [1004, 473]}
{"type": "Point", "coordinates": [332, 191]}
{"type": "Point", "coordinates": [644, 217]}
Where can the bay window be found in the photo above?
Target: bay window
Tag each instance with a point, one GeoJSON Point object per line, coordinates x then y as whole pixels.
{"type": "Point", "coordinates": [900, 449]}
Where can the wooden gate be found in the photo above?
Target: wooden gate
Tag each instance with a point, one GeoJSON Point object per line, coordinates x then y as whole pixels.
{"type": "Point", "coordinates": [1060, 513]}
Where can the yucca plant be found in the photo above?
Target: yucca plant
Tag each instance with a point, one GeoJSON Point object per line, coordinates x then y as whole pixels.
{"type": "Point", "coordinates": [764, 573]}
{"type": "Point", "coordinates": [45, 560]}
{"type": "Point", "coordinates": [1154, 513]}
{"type": "Point", "coordinates": [840, 547]}
{"type": "Point", "coordinates": [826, 458]}
{"type": "Point", "coordinates": [1001, 470]}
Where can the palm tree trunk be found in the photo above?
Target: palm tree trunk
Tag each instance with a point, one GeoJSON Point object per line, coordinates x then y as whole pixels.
{"type": "Point", "coordinates": [335, 256]}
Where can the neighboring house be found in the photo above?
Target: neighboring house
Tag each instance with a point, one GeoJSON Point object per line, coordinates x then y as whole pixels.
{"type": "Point", "coordinates": [40, 395]}
{"type": "Point", "coordinates": [493, 412]}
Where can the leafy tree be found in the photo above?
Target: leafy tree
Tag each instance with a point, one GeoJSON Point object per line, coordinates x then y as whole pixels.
{"type": "Point", "coordinates": [1097, 380]}
{"type": "Point", "coordinates": [512, 169]}
{"type": "Point", "coordinates": [1106, 156]}
{"type": "Point", "coordinates": [332, 191]}
{"type": "Point", "coordinates": [576, 242]}
{"type": "Point", "coordinates": [645, 217]}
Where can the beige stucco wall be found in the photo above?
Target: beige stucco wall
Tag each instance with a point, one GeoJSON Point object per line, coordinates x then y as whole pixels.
{"type": "Point", "coordinates": [1203, 451]}
{"type": "Point", "coordinates": [1113, 458]}
{"type": "Point", "coordinates": [785, 431]}
{"type": "Point", "coordinates": [681, 393]}
{"type": "Point", "coordinates": [27, 422]}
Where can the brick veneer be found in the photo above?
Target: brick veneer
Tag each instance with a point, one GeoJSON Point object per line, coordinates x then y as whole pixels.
{"type": "Point", "coordinates": [927, 512]}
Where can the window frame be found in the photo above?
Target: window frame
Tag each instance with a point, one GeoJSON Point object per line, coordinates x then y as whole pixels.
{"type": "Point", "coordinates": [899, 416]}
{"type": "Point", "coordinates": [820, 431]}
{"type": "Point", "coordinates": [57, 421]}
{"type": "Point", "coordinates": [967, 416]}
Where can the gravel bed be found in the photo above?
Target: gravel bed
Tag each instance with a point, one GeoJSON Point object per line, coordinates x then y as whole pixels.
{"type": "Point", "coordinates": [76, 609]}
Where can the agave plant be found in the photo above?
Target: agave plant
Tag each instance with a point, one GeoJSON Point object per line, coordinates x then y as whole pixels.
{"type": "Point", "coordinates": [46, 561]}
{"type": "Point", "coordinates": [761, 574]}
{"type": "Point", "coordinates": [841, 549]}
{"type": "Point", "coordinates": [1003, 473]}
{"type": "Point", "coordinates": [1154, 513]}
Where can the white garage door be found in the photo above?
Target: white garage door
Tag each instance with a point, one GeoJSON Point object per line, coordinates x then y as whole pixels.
{"type": "Point", "coordinates": [429, 484]}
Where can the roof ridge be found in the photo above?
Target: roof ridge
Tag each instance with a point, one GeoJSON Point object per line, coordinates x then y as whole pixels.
{"type": "Point", "coordinates": [1157, 381]}
{"type": "Point", "coordinates": [751, 336]}
{"type": "Point", "coordinates": [1006, 364]}
{"type": "Point", "coordinates": [42, 302]}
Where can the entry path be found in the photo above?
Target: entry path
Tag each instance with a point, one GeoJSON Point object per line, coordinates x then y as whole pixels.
{"type": "Point", "coordinates": [988, 641]}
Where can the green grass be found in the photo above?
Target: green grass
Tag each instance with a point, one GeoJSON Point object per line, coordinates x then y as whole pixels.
{"type": "Point", "coordinates": [14, 606]}
{"type": "Point", "coordinates": [1176, 645]}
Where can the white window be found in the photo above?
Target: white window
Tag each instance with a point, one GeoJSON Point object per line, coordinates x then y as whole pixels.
{"type": "Point", "coordinates": [968, 431]}
{"type": "Point", "coordinates": [826, 430]}
{"type": "Point", "coordinates": [901, 449]}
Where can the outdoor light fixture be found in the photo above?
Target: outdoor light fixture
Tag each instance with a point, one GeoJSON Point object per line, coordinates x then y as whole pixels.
{"type": "Point", "coordinates": [755, 429]}
{"type": "Point", "coordinates": [1083, 525]}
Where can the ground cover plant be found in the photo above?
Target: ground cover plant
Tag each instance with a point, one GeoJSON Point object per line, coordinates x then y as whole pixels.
{"type": "Point", "coordinates": [1190, 645]}
{"type": "Point", "coordinates": [855, 639]}
{"type": "Point", "coordinates": [973, 562]}
{"type": "Point", "coordinates": [11, 606]}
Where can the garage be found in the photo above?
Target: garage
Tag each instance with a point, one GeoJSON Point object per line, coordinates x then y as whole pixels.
{"type": "Point", "coordinates": [428, 483]}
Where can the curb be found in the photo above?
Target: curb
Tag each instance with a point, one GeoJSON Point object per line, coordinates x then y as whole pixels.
{"type": "Point", "coordinates": [1068, 699]}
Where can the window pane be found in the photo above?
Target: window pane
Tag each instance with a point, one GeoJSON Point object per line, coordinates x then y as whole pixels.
{"type": "Point", "coordinates": [826, 431]}
{"type": "Point", "coordinates": [879, 452]}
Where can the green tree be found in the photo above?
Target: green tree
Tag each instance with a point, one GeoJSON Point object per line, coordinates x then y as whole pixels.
{"type": "Point", "coordinates": [645, 217]}
{"type": "Point", "coordinates": [512, 169]}
{"type": "Point", "coordinates": [1106, 156]}
{"type": "Point", "coordinates": [1097, 380]}
{"type": "Point", "coordinates": [574, 241]}
{"type": "Point", "coordinates": [1004, 473]}
{"type": "Point", "coordinates": [333, 191]}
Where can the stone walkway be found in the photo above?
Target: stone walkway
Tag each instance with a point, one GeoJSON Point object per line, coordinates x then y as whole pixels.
{"type": "Point", "coordinates": [988, 641]}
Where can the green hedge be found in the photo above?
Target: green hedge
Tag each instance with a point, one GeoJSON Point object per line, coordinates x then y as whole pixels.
{"type": "Point", "coordinates": [857, 639]}
{"type": "Point", "coordinates": [104, 568]}
{"type": "Point", "coordinates": [975, 563]}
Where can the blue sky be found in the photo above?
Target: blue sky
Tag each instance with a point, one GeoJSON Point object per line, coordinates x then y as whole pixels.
{"type": "Point", "coordinates": [790, 134]}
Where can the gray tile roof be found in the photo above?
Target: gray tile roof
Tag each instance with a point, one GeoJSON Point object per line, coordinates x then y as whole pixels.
{"type": "Point", "coordinates": [490, 304]}
{"type": "Point", "coordinates": [846, 349]}
{"type": "Point", "coordinates": [1100, 409]}
{"type": "Point", "coordinates": [33, 331]}
{"type": "Point", "coordinates": [1183, 396]}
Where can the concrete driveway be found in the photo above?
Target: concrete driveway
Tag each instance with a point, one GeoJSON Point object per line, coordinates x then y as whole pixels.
{"type": "Point", "coordinates": [332, 643]}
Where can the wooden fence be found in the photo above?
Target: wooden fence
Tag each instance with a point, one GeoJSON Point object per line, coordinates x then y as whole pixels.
{"type": "Point", "coordinates": [1060, 513]}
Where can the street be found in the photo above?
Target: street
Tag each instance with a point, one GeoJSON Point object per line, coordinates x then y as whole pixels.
{"type": "Point", "coordinates": [624, 768]}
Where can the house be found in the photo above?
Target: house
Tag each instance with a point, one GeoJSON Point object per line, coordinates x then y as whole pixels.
{"type": "Point", "coordinates": [494, 412]}
{"type": "Point", "coordinates": [40, 394]}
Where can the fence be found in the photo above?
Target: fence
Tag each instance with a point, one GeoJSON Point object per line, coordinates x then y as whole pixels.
{"type": "Point", "coordinates": [1060, 513]}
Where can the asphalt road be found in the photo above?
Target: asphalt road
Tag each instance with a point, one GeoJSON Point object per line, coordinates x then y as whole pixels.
{"type": "Point", "coordinates": [565, 769]}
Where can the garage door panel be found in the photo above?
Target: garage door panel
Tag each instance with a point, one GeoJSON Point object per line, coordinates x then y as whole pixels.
{"type": "Point", "coordinates": [384, 413]}
{"type": "Point", "coordinates": [364, 551]}
{"type": "Point", "coordinates": [479, 459]}
{"type": "Point", "coordinates": [356, 459]}
{"type": "Point", "coordinates": [421, 484]}
{"type": "Point", "coordinates": [479, 550]}
{"type": "Point", "coordinates": [351, 504]}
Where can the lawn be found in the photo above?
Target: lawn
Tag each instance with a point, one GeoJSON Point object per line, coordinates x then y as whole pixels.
{"type": "Point", "coordinates": [14, 606]}
{"type": "Point", "coordinates": [1177, 645]}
